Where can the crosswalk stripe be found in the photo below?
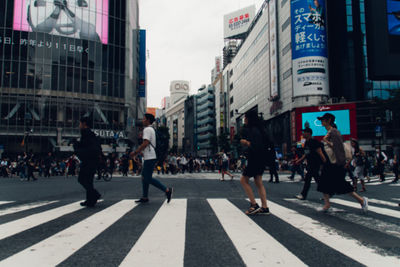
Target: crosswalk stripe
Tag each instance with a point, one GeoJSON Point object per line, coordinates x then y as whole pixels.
{"type": "Point", "coordinates": [60, 246]}
{"type": "Point", "coordinates": [331, 238]}
{"type": "Point", "coordinates": [383, 211]}
{"type": "Point", "coordinates": [163, 241]}
{"type": "Point", "coordinates": [255, 246]}
{"type": "Point", "coordinates": [379, 183]}
{"type": "Point", "coordinates": [6, 202]}
{"type": "Point", "coordinates": [25, 207]}
{"type": "Point", "coordinates": [368, 222]}
{"type": "Point", "coordinates": [383, 202]}
{"type": "Point", "coordinates": [14, 227]}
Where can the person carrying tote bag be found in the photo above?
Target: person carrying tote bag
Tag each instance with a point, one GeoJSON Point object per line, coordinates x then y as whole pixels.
{"type": "Point", "coordinates": [333, 172]}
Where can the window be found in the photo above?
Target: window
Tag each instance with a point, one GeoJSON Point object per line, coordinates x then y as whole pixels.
{"type": "Point", "coordinates": [283, 2]}
{"type": "Point", "coordinates": [286, 49]}
{"type": "Point", "coordinates": [231, 100]}
{"type": "Point", "coordinates": [231, 86]}
{"type": "Point", "coordinates": [287, 74]}
{"type": "Point", "coordinates": [231, 113]}
{"type": "Point", "coordinates": [286, 24]}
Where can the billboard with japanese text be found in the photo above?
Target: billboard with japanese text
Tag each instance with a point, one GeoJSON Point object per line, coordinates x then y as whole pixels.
{"type": "Point", "coordinates": [80, 19]}
{"type": "Point", "coordinates": [309, 48]}
{"type": "Point", "coordinates": [237, 23]}
{"type": "Point", "coordinates": [273, 48]}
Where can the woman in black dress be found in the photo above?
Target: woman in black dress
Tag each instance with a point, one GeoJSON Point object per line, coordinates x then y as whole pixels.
{"type": "Point", "coordinates": [333, 173]}
{"type": "Point", "coordinates": [253, 140]}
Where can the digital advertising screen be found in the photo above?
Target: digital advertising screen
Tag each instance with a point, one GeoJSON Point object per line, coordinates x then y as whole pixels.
{"type": "Point", "coordinates": [310, 119]}
{"type": "Point", "coordinates": [80, 19]}
{"type": "Point", "coordinates": [393, 17]}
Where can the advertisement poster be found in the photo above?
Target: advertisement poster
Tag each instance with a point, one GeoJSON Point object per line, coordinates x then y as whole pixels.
{"type": "Point", "coordinates": [80, 19]}
{"type": "Point", "coordinates": [309, 48]}
{"type": "Point", "coordinates": [238, 22]}
{"type": "Point", "coordinates": [273, 48]}
{"type": "Point", "coordinates": [393, 16]}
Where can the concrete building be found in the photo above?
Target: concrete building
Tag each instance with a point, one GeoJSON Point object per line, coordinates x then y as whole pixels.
{"type": "Point", "coordinates": [175, 118]}
{"type": "Point", "coordinates": [205, 119]}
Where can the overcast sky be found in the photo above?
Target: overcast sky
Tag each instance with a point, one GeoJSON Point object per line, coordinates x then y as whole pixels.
{"type": "Point", "coordinates": [183, 39]}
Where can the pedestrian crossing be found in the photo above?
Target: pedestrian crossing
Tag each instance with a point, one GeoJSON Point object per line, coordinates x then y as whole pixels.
{"type": "Point", "coordinates": [186, 230]}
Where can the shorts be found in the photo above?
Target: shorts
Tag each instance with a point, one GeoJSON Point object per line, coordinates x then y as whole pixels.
{"type": "Point", "coordinates": [359, 172]}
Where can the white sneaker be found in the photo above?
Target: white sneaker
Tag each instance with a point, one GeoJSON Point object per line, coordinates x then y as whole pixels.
{"type": "Point", "coordinates": [364, 206]}
{"type": "Point", "coordinates": [300, 197]}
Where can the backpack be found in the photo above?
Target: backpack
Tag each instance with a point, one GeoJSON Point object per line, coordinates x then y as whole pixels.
{"type": "Point", "coordinates": [161, 147]}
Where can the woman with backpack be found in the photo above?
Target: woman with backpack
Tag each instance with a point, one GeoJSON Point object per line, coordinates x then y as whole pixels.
{"type": "Point", "coordinates": [333, 173]}
{"type": "Point", "coordinates": [253, 140]}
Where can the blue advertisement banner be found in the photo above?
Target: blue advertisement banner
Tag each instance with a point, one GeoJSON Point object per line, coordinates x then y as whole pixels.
{"type": "Point", "coordinates": [308, 28]}
{"type": "Point", "coordinates": [342, 120]}
{"type": "Point", "coordinates": [142, 64]}
{"type": "Point", "coordinates": [393, 15]}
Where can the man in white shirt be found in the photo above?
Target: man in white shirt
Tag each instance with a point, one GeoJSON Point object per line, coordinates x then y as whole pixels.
{"type": "Point", "coordinates": [150, 159]}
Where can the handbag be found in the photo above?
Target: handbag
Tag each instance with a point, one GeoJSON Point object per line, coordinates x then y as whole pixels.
{"type": "Point", "coordinates": [329, 152]}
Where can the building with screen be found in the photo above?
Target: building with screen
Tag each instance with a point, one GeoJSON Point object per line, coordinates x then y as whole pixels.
{"type": "Point", "coordinates": [320, 54]}
{"type": "Point", "coordinates": [60, 60]}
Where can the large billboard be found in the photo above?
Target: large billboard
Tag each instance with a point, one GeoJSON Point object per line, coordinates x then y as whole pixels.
{"type": "Point", "coordinates": [81, 19]}
{"type": "Point", "coordinates": [383, 39]}
{"type": "Point", "coordinates": [237, 23]}
{"type": "Point", "coordinates": [309, 48]}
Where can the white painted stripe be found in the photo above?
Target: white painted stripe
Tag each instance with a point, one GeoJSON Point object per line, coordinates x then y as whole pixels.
{"type": "Point", "coordinates": [394, 184]}
{"type": "Point", "coordinates": [332, 238]}
{"type": "Point", "coordinates": [6, 202]}
{"type": "Point", "coordinates": [368, 222]}
{"type": "Point", "coordinates": [25, 207]}
{"type": "Point", "coordinates": [57, 248]}
{"type": "Point", "coordinates": [14, 227]}
{"type": "Point", "coordinates": [383, 202]}
{"type": "Point", "coordinates": [163, 241]}
{"type": "Point", "coordinates": [383, 211]}
{"type": "Point", "coordinates": [387, 181]}
{"type": "Point", "coordinates": [398, 199]}
{"type": "Point", "coordinates": [255, 246]}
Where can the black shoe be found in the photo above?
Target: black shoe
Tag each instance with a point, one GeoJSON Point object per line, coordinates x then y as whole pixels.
{"type": "Point", "coordinates": [263, 211]}
{"type": "Point", "coordinates": [277, 182]}
{"type": "Point", "coordinates": [270, 181]}
{"type": "Point", "coordinates": [253, 209]}
{"type": "Point", "coordinates": [169, 194]}
{"type": "Point", "coordinates": [142, 200]}
{"type": "Point", "coordinates": [84, 203]}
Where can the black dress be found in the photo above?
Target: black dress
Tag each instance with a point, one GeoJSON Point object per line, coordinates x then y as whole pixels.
{"type": "Point", "coordinates": [255, 157]}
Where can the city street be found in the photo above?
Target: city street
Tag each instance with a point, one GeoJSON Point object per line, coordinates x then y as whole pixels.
{"type": "Point", "coordinates": [42, 224]}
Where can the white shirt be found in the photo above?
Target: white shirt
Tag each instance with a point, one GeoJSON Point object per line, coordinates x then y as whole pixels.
{"type": "Point", "coordinates": [149, 134]}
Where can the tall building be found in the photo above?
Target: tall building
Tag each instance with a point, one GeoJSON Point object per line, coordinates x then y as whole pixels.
{"type": "Point", "coordinates": [55, 69]}
{"type": "Point", "coordinates": [205, 120]}
{"type": "Point", "coordinates": [303, 58]}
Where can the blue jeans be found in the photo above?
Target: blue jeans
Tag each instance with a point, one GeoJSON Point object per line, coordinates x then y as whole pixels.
{"type": "Point", "coordinates": [147, 177]}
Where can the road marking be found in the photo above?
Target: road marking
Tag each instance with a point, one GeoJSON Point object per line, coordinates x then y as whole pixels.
{"type": "Point", "coordinates": [163, 241]}
{"type": "Point", "coordinates": [383, 202]}
{"type": "Point", "coordinates": [14, 227]}
{"type": "Point", "coordinates": [379, 183]}
{"type": "Point", "coordinates": [57, 248]}
{"type": "Point", "coordinates": [332, 238]}
{"type": "Point", "coordinates": [383, 211]}
{"type": "Point", "coordinates": [25, 207]}
{"type": "Point", "coordinates": [255, 246]}
{"type": "Point", "coordinates": [369, 222]}
{"type": "Point", "coordinates": [6, 202]}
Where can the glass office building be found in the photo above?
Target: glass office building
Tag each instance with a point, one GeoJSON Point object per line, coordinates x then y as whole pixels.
{"type": "Point", "coordinates": [61, 60]}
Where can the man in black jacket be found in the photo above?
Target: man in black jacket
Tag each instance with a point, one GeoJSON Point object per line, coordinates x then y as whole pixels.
{"type": "Point", "coordinates": [88, 150]}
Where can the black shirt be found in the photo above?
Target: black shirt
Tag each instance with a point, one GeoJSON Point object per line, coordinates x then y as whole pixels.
{"type": "Point", "coordinates": [310, 150]}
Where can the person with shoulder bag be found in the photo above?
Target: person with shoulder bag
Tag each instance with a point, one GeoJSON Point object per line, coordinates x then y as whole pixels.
{"type": "Point", "coordinates": [333, 172]}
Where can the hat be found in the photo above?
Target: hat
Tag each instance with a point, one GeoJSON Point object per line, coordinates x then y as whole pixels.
{"type": "Point", "coordinates": [307, 130]}
{"type": "Point", "coordinates": [327, 116]}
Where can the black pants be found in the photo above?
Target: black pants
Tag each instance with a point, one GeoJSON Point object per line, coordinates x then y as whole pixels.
{"type": "Point", "coordinates": [273, 172]}
{"type": "Point", "coordinates": [85, 178]}
{"type": "Point", "coordinates": [307, 181]}
{"type": "Point", "coordinates": [396, 172]}
{"type": "Point", "coordinates": [381, 170]}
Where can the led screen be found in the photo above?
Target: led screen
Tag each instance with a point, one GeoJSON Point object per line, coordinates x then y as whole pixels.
{"type": "Point", "coordinates": [393, 16]}
{"type": "Point", "coordinates": [342, 121]}
{"type": "Point", "coordinates": [81, 19]}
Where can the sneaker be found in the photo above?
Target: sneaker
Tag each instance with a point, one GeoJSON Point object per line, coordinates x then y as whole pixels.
{"type": "Point", "coordinates": [364, 206]}
{"type": "Point", "coordinates": [253, 209]}
{"type": "Point", "coordinates": [300, 197]}
{"type": "Point", "coordinates": [84, 203]}
{"type": "Point", "coordinates": [263, 211]}
{"type": "Point", "coordinates": [169, 194]}
{"type": "Point", "coordinates": [142, 200]}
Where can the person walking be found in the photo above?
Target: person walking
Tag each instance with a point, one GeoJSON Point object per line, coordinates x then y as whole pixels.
{"type": "Point", "coordinates": [224, 165]}
{"type": "Point", "coordinates": [149, 154]}
{"type": "Point", "coordinates": [396, 165]}
{"type": "Point", "coordinates": [252, 139]}
{"type": "Point", "coordinates": [314, 156]}
{"type": "Point", "coordinates": [88, 150]}
{"type": "Point", "coordinates": [333, 172]}
{"type": "Point", "coordinates": [272, 164]}
{"type": "Point", "coordinates": [358, 159]}
{"type": "Point", "coordinates": [296, 167]}
{"type": "Point", "coordinates": [381, 159]}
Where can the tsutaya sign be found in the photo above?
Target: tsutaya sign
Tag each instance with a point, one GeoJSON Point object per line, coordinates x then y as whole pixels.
{"type": "Point", "coordinates": [109, 134]}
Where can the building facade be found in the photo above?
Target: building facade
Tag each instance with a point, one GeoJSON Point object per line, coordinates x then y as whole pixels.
{"type": "Point", "coordinates": [175, 118]}
{"type": "Point", "coordinates": [51, 74]}
{"type": "Point", "coordinates": [205, 120]}
{"type": "Point", "coordinates": [323, 55]}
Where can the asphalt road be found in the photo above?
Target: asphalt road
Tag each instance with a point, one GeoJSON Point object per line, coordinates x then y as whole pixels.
{"type": "Point", "coordinates": [42, 224]}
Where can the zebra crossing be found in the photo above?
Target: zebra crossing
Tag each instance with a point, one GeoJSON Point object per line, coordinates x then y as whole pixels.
{"type": "Point", "coordinates": [198, 232]}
